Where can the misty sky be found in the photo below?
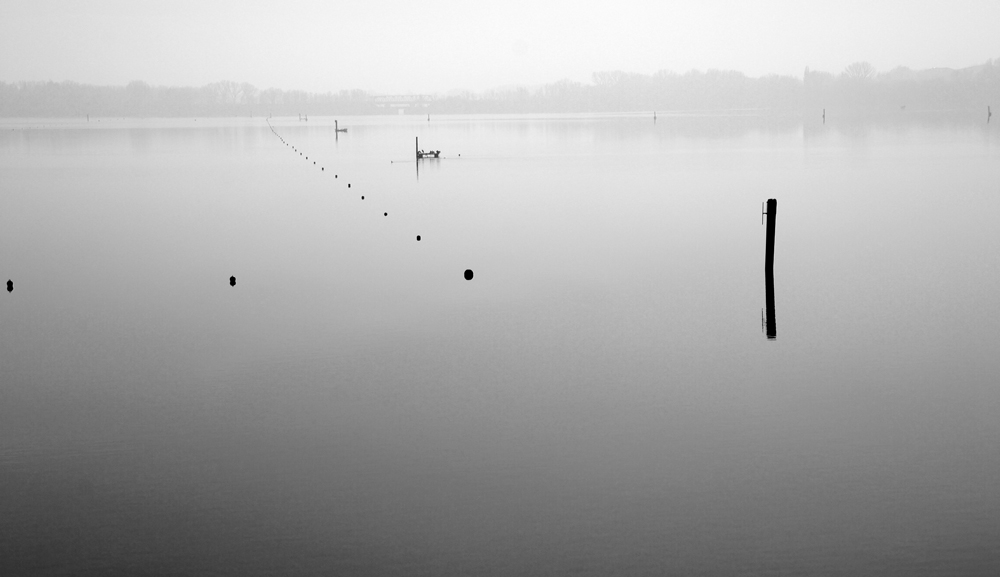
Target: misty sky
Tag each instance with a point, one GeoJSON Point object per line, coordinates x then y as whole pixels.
{"type": "Point", "coordinates": [393, 46]}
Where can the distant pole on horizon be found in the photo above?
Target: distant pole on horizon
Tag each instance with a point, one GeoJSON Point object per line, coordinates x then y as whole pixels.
{"type": "Point", "coordinates": [989, 113]}
{"type": "Point", "coordinates": [824, 116]}
{"type": "Point", "coordinates": [416, 148]}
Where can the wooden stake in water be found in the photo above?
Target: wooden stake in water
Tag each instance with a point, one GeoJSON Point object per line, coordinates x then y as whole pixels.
{"type": "Point", "coordinates": [772, 213]}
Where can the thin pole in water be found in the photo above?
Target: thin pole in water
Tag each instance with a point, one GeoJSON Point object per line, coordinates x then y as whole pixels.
{"type": "Point", "coordinates": [772, 214]}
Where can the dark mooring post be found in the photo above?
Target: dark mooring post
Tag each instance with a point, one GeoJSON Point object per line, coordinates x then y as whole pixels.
{"type": "Point", "coordinates": [416, 148]}
{"type": "Point", "coordinates": [772, 213]}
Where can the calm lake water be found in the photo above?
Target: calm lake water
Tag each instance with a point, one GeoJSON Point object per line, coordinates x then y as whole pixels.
{"type": "Point", "coordinates": [599, 399]}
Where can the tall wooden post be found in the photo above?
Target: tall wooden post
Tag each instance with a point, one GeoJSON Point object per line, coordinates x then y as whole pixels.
{"type": "Point", "coordinates": [772, 214]}
{"type": "Point", "coordinates": [416, 148]}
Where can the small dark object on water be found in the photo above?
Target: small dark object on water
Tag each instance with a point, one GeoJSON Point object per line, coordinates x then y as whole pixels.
{"type": "Point", "coordinates": [232, 281]}
{"type": "Point", "coordinates": [468, 274]}
{"type": "Point", "coordinates": [10, 286]}
{"type": "Point", "coordinates": [418, 237]}
{"type": "Point", "coordinates": [335, 176]}
{"type": "Point", "coordinates": [321, 168]}
{"type": "Point", "coordinates": [348, 185]}
{"type": "Point", "coordinates": [362, 197]}
{"type": "Point", "coordinates": [385, 214]}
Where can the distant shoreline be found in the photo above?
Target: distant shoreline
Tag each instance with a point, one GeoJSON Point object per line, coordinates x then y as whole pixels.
{"type": "Point", "coordinates": [858, 90]}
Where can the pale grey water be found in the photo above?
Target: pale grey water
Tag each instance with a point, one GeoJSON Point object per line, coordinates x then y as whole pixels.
{"type": "Point", "coordinates": [598, 400]}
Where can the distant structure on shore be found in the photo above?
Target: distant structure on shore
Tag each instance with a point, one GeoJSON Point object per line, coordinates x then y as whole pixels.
{"type": "Point", "coordinates": [403, 102]}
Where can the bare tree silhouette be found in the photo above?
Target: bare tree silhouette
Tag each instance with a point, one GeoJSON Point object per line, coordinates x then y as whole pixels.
{"type": "Point", "coordinates": [860, 71]}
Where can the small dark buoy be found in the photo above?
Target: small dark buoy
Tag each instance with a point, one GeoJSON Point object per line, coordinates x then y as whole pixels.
{"type": "Point", "coordinates": [348, 185]}
{"type": "Point", "coordinates": [314, 162]}
{"type": "Point", "coordinates": [321, 168]}
{"type": "Point", "coordinates": [468, 274]}
{"type": "Point", "coordinates": [418, 237]}
{"type": "Point", "coordinates": [10, 286]}
{"type": "Point", "coordinates": [232, 281]}
{"type": "Point", "coordinates": [335, 176]}
{"type": "Point", "coordinates": [385, 214]}
{"type": "Point", "coordinates": [362, 197]}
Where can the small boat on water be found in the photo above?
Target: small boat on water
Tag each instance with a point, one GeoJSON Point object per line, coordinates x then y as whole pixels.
{"type": "Point", "coordinates": [426, 153]}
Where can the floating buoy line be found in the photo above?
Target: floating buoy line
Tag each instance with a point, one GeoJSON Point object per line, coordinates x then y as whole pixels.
{"type": "Point", "coordinates": [468, 272]}
{"type": "Point", "coordinates": [232, 279]}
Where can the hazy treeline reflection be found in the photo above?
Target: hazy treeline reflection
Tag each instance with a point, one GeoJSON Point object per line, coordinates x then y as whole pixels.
{"type": "Point", "coordinates": [858, 89]}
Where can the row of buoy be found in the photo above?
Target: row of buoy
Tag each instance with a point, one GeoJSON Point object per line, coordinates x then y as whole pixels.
{"type": "Point", "coordinates": [232, 280]}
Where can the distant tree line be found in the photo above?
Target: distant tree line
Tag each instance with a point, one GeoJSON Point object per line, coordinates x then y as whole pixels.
{"type": "Point", "coordinates": [858, 89]}
{"type": "Point", "coordinates": [139, 99]}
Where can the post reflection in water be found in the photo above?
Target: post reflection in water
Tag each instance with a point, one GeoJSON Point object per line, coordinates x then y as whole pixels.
{"type": "Point", "coordinates": [772, 326]}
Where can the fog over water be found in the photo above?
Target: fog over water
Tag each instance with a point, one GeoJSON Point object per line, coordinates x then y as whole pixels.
{"type": "Point", "coordinates": [395, 46]}
{"type": "Point", "coordinates": [599, 399]}
{"type": "Point", "coordinates": [398, 288]}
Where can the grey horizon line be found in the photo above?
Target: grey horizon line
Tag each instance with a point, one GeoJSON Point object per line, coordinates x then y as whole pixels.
{"type": "Point", "coordinates": [498, 87]}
